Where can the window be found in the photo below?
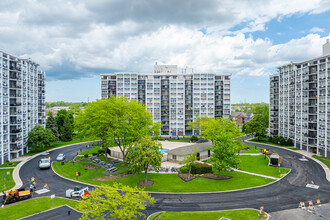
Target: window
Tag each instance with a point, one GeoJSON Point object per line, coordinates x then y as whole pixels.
{"type": "Point", "coordinates": [174, 157]}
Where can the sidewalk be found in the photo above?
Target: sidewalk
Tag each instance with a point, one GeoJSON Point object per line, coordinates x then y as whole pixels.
{"type": "Point", "coordinates": [256, 174]}
{"type": "Point", "coordinates": [304, 153]}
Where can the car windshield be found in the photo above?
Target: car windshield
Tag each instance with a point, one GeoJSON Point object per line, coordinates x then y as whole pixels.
{"type": "Point", "coordinates": [44, 160]}
{"type": "Point", "coordinates": [60, 155]}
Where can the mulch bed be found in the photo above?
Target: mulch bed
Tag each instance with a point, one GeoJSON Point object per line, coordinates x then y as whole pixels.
{"type": "Point", "coordinates": [184, 176]}
{"type": "Point", "coordinates": [143, 184]}
{"type": "Point", "coordinates": [91, 167]}
{"type": "Point", "coordinates": [111, 177]}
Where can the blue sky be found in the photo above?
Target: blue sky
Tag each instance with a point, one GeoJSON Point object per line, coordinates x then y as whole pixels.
{"type": "Point", "coordinates": [74, 42]}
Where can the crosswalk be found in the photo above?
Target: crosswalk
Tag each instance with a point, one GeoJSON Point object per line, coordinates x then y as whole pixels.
{"type": "Point", "coordinates": [312, 186]}
{"type": "Point", "coordinates": [42, 191]}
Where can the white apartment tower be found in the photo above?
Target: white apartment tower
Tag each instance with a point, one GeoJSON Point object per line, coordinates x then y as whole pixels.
{"type": "Point", "coordinates": [22, 103]}
{"type": "Point", "coordinates": [173, 98]}
{"type": "Point", "coordinates": [300, 103]}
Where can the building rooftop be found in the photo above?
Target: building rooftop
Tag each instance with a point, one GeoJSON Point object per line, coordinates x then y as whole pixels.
{"type": "Point", "coordinates": [181, 151]}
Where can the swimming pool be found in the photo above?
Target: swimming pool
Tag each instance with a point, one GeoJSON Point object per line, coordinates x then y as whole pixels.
{"type": "Point", "coordinates": [163, 150]}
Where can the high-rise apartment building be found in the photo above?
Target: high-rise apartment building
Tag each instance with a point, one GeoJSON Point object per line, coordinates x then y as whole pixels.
{"type": "Point", "coordinates": [173, 98]}
{"type": "Point", "coordinates": [22, 103]}
{"type": "Point", "coordinates": [300, 103]}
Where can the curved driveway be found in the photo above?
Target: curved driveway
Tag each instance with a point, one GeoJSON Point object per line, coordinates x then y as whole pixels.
{"type": "Point", "coordinates": [284, 194]}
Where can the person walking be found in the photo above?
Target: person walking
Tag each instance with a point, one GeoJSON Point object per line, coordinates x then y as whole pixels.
{"type": "Point", "coordinates": [34, 186]}
{"type": "Point", "coordinates": [32, 180]}
{"type": "Point", "coordinates": [31, 187]}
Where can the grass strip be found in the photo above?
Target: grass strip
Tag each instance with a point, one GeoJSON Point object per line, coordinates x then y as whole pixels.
{"type": "Point", "coordinates": [32, 206]}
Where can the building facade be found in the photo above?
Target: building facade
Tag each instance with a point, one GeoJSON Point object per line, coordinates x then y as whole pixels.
{"type": "Point", "coordinates": [300, 103]}
{"type": "Point", "coordinates": [173, 98]}
{"type": "Point", "coordinates": [22, 103]}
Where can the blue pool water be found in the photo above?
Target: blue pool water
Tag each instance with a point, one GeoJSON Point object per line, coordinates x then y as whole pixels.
{"type": "Point", "coordinates": [163, 150]}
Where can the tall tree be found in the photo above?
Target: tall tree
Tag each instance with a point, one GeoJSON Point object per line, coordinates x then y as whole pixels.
{"type": "Point", "coordinates": [224, 155]}
{"type": "Point", "coordinates": [39, 138]}
{"type": "Point", "coordinates": [115, 119]}
{"type": "Point", "coordinates": [189, 160]}
{"type": "Point", "coordinates": [106, 202]}
{"type": "Point", "coordinates": [67, 129]}
{"type": "Point", "coordinates": [52, 125]}
{"type": "Point", "coordinates": [60, 118]}
{"type": "Point", "coordinates": [210, 128]}
{"type": "Point", "coordinates": [146, 152]}
{"type": "Point", "coordinates": [257, 126]}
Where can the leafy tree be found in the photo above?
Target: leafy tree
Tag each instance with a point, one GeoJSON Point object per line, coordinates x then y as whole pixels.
{"type": "Point", "coordinates": [289, 142]}
{"type": "Point", "coordinates": [257, 126]}
{"type": "Point", "coordinates": [106, 202]}
{"type": "Point", "coordinates": [115, 119]}
{"type": "Point", "coordinates": [224, 153]}
{"type": "Point", "coordinates": [189, 160]}
{"type": "Point", "coordinates": [194, 138]}
{"type": "Point", "coordinates": [210, 128]}
{"type": "Point", "coordinates": [67, 130]}
{"type": "Point", "coordinates": [39, 138]}
{"type": "Point", "coordinates": [60, 118]}
{"type": "Point", "coordinates": [146, 152]}
{"type": "Point", "coordinates": [51, 125]}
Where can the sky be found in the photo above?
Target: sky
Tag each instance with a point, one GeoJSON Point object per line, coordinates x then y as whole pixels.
{"type": "Point", "coordinates": [74, 41]}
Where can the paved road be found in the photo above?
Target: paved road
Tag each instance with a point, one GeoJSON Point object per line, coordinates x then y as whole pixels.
{"type": "Point", "coordinates": [61, 213]}
{"type": "Point", "coordinates": [284, 194]}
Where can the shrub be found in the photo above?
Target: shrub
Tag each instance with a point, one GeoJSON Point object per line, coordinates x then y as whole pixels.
{"type": "Point", "coordinates": [101, 151]}
{"type": "Point", "coordinates": [275, 140]}
{"type": "Point", "coordinates": [86, 155]}
{"type": "Point", "coordinates": [270, 139]}
{"type": "Point", "coordinates": [281, 141]}
{"type": "Point", "coordinates": [289, 142]}
{"type": "Point", "coordinates": [184, 169]}
{"type": "Point", "coordinates": [94, 154]}
{"type": "Point", "coordinates": [194, 138]}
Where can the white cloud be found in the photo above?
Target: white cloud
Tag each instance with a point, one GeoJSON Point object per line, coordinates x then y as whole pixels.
{"type": "Point", "coordinates": [102, 35]}
{"type": "Point", "coordinates": [316, 30]}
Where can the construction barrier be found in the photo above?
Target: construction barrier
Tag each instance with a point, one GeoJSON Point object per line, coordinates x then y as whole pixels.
{"type": "Point", "coordinates": [302, 205]}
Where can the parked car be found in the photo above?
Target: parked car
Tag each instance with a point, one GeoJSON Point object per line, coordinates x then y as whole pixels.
{"type": "Point", "coordinates": [44, 163]}
{"type": "Point", "coordinates": [60, 157]}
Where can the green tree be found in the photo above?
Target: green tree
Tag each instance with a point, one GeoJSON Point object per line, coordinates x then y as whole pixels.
{"type": "Point", "coordinates": [67, 129]}
{"type": "Point", "coordinates": [146, 152]}
{"type": "Point", "coordinates": [257, 126]}
{"type": "Point", "coordinates": [39, 138]}
{"type": "Point", "coordinates": [115, 120]}
{"type": "Point", "coordinates": [52, 125]}
{"type": "Point", "coordinates": [189, 160]}
{"type": "Point", "coordinates": [106, 202]}
{"type": "Point", "coordinates": [210, 128]}
{"type": "Point", "coordinates": [224, 155]}
{"type": "Point", "coordinates": [60, 118]}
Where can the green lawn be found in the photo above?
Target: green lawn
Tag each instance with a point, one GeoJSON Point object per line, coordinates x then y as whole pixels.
{"type": "Point", "coordinates": [32, 206]}
{"type": "Point", "coordinates": [165, 182]}
{"type": "Point", "coordinates": [231, 214]}
{"type": "Point", "coordinates": [258, 164]}
{"type": "Point", "coordinates": [9, 179]}
{"type": "Point", "coordinates": [251, 149]}
{"type": "Point", "coordinates": [265, 141]}
{"type": "Point", "coordinates": [60, 144]}
{"type": "Point", "coordinates": [10, 164]}
{"type": "Point", "coordinates": [325, 160]}
{"type": "Point", "coordinates": [91, 150]}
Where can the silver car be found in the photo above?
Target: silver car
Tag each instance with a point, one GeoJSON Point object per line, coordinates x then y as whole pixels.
{"type": "Point", "coordinates": [60, 157]}
{"type": "Point", "coordinates": [44, 163]}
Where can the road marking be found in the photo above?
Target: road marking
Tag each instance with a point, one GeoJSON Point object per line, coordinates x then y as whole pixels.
{"type": "Point", "coordinates": [312, 186]}
{"type": "Point", "coordinates": [303, 159]}
{"type": "Point", "coordinates": [41, 191]}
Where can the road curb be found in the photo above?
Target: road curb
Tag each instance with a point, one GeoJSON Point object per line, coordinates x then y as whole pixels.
{"type": "Point", "coordinates": [148, 218]}
{"type": "Point", "coordinates": [16, 177]}
{"type": "Point", "coordinates": [324, 167]}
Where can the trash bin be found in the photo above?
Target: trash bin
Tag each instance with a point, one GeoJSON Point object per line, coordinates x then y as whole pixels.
{"type": "Point", "coordinates": [62, 163]}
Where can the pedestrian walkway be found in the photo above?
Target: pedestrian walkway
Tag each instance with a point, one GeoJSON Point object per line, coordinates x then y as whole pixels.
{"type": "Point", "coordinates": [250, 154]}
{"type": "Point", "coordinates": [256, 174]}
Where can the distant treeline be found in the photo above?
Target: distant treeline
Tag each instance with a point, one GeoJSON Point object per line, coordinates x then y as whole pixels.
{"type": "Point", "coordinates": [71, 105]}
{"type": "Point", "coordinates": [255, 108]}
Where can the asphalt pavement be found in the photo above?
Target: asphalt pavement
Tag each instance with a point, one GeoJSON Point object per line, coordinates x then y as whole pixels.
{"type": "Point", "coordinates": [281, 195]}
